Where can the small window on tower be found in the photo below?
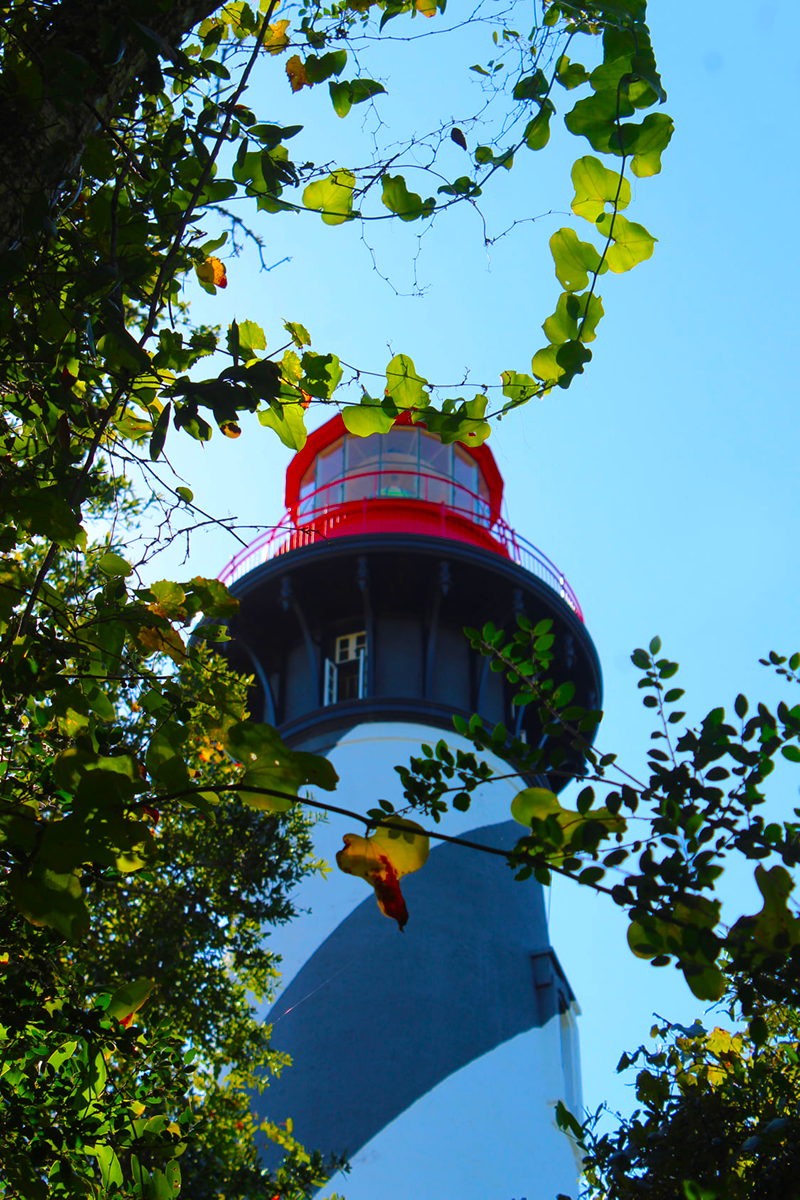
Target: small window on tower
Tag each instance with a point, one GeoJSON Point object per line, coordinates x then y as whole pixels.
{"type": "Point", "coordinates": [346, 675]}
{"type": "Point", "coordinates": [350, 647]}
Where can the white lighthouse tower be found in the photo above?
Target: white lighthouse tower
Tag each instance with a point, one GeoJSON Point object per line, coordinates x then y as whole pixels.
{"type": "Point", "coordinates": [434, 1059]}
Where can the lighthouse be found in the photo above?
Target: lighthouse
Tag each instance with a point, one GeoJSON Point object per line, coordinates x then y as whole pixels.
{"type": "Point", "coordinates": [432, 1058]}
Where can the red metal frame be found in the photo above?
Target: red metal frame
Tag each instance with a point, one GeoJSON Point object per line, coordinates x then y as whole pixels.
{"type": "Point", "coordinates": [332, 430]}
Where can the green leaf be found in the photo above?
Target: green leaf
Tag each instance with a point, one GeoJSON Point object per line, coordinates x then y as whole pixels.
{"type": "Point", "coordinates": [114, 565]}
{"type": "Point", "coordinates": [251, 338]}
{"type": "Point", "coordinates": [332, 196]}
{"type": "Point", "coordinates": [160, 432]}
{"type": "Point", "coordinates": [287, 421]}
{"type": "Point", "coordinates": [404, 387]}
{"type": "Point", "coordinates": [62, 1054]}
{"type": "Point", "coordinates": [563, 324]}
{"type": "Point", "coordinates": [485, 155]}
{"type": "Point", "coordinates": [233, 342]}
{"type": "Point", "coordinates": [693, 1191]}
{"type": "Point", "coordinates": [298, 333]}
{"type": "Point", "coordinates": [367, 418]}
{"type": "Point", "coordinates": [706, 982]}
{"type": "Point", "coordinates": [46, 897]}
{"type": "Point", "coordinates": [345, 94]}
{"type": "Point", "coordinates": [291, 367]}
{"type": "Point", "coordinates": [570, 75]}
{"type": "Point", "coordinates": [164, 758]}
{"type": "Point", "coordinates": [118, 347]}
{"type": "Point", "coordinates": [632, 243]}
{"type": "Point", "coordinates": [791, 752]}
{"type": "Point", "coordinates": [110, 1169]}
{"type": "Point", "coordinates": [537, 132]}
{"type": "Point", "coordinates": [129, 998]}
{"type": "Point", "coordinates": [574, 260]}
{"type": "Point", "coordinates": [322, 374]}
{"type": "Point", "coordinates": [340, 98]}
{"type": "Point", "coordinates": [595, 186]}
{"type": "Point", "coordinates": [408, 206]}
{"type": "Point", "coordinates": [591, 312]}
{"type": "Point", "coordinates": [648, 143]}
{"type": "Point", "coordinates": [269, 763]}
{"type": "Point", "coordinates": [517, 387]}
{"type": "Point", "coordinates": [545, 365]}
{"type": "Point", "coordinates": [595, 118]}
{"type": "Point", "coordinates": [319, 69]}
{"type": "Point", "coordinates": [571, 357]}
{"type": "Point", "coordinates": [530, 86]}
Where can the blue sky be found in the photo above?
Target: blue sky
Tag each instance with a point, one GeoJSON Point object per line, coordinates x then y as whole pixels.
{"type": "Point", "coordinates": [664, 482]}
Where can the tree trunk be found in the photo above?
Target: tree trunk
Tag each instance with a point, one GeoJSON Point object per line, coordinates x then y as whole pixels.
{"type": "Point", "coordinates": [58, 66]}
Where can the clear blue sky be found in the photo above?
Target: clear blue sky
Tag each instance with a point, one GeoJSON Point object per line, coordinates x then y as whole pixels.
{"type": "Point", "coordinates": [664, 483]}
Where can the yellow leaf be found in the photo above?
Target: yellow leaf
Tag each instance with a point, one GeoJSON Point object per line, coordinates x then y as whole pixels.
{"type": "Point", "coordinates": [276, 39]}
{"type": "Point", "coordinates": [383, 859]}
{"type": "Point", "coordinates": [534, 802]}
{"type": "Point", "coordinates": [163, 641]}
{"type": "Point", "coordinates": [296, 71]}
{"type": "Point", "coordinates": [721, 1041]}
{"type": "Point", "coordinates": [333, 195]}
{"type": "Point", "coordinates": [128, 999]}
{"type": "Point", "coordinates": [427, 8]}
{"type": "Point", "coordinates": [211, 274]}
{"type": "Point", "coordinates": [540, 803]}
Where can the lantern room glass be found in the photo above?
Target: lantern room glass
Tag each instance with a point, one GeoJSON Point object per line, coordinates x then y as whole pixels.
{"type": "Point", "coordinates": [405, 463]}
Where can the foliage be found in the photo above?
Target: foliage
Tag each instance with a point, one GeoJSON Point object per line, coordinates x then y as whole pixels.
{"type": "Point", "coordinates": [680, 823]}
{"type": "Point", "coordinates": [718, 1115]}
{"type": "Point", "coordinates": [181, 915]}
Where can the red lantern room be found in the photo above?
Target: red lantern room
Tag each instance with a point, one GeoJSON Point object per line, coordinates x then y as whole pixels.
{"type": "Point", "coordinates": [406, 480]}
{"type": "Point", "coordinates": [352, 608]}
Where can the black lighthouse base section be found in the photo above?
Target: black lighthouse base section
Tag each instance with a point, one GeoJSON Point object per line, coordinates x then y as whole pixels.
{"type": "Point", "coordinates": [412, 597]}
{"type": "Point", "coordinates": [376, 1019]}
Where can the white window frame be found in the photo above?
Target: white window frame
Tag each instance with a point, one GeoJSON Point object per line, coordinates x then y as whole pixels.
{"type": "Point", "coordinates": [346, 642]}
{"type": "Point", "coordinates": [330, 683]}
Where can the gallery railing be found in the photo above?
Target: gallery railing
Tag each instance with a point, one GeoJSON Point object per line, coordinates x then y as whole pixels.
{"type": "Point", "coordinates": [397, 501]}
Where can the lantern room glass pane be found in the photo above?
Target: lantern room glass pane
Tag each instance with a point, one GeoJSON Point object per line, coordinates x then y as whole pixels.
{"type": "Point", "coordinates": [465, 473]}
{"type": "Point", "coordinates": [307, 485]}
{"type": "Point", "coordinates": [363, 454]}
{"type": "Point", "coordinates": [484, 507]}
{"type": "Point", "coordinates": [330, 463]}
{"type": "Point", "coordinates": [360, 487]}
{"type": "Point", "coordinates": [400, 443]}
{"type": "Point", "coordinates": [399, 483]}
{"type": "Point", "coordinates": [330, 467]}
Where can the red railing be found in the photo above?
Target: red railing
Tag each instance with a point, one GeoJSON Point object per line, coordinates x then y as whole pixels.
{"type": "Point", "coordinates": [388, 507]}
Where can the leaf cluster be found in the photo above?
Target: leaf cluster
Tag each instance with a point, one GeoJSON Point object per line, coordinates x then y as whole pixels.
{"type": "Point", "coordinates": [717, 1114]}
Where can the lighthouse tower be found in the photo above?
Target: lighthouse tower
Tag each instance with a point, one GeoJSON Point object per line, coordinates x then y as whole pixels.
{"type": "Point", "coordinates": [433, 1058]}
